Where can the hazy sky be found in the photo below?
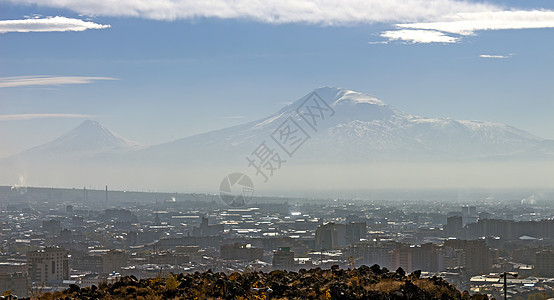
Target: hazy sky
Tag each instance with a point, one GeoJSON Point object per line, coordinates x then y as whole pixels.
{"type": "Point", "coordinates": [155, 71]}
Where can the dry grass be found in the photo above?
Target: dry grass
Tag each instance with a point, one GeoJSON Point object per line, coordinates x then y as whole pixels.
{"type": "Point", "coordinates": [386, 286]}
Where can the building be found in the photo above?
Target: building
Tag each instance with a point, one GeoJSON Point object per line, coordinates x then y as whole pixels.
{"type": "Point", "coordinates": [239, 251]}
{"type": "Point", "coordinates": [425, 257]}
{"type": "Point", "coordinates": [16, 283]}
{"type": "Point", "coordinates": [330, 236]}
{"type": "Point", "coordinates": [86, 263]}
{"type": "Point", "coordinates": [77, 221]}
{"type": "Point", "coordinates": [206, 229]}
{"type": "Point", "coordinates": [118, 215]}
{"type": "Point", "coordinates": [509, 229]}
{"type": "Point", "coordinates": [113, 261]}
{"type": "Point", "coordinates": [402, 257]}
{"type": "Point", "coordinates": [454, 226]}
{"type": "Point", "coordinates": [52, 227]}
{"type": "Point", "coordinates": [476, 255]}
{"type": "Point", "coordinates": [13, 267]}
{"type": "Point", "coordinates": [545, 263]}
{"type": "Point", "coordinates": [169, 258]}
{"type": "Point", "coordinates": [283, 259]}
{"type": "Point", "coordinates": [193, 252]}
{"type": "Point", "coordinates": [91, 279]}
{"type": "Point", "coordinates": [355, 231]}
{"type": "Point", "coordinates": [14, 278]}
{"type": "Point", "coordinates": [48, 264]}
{"type": "Point", "coordinates": [296, 245]}
{"type": "Point", "coordinates": [369, 253]}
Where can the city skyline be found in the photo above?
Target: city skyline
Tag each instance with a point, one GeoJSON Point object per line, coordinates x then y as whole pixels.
{"type": "Point", "coordinates": [57, 238]}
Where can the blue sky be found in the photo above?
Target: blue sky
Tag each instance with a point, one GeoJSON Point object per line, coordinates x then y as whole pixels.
{"type": "Point", "coordinates": [178, 68]}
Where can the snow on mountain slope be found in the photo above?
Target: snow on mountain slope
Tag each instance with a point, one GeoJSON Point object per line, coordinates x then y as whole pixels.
{"type": "Point", "coordinates": [88, 139]}
{"type": "Point", "coordinates": [329, 132]}
{"type": "Point", "coordinates": [337, 125]}
{"type": "Point", "coordinates": [353, 127]}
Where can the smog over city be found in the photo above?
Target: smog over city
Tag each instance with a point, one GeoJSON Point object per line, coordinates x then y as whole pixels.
{"type": "Point", "coordinates": [289, 150]}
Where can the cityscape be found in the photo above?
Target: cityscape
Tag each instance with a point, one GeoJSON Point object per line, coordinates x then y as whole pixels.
{"type": "Point", "coordinates": [53, 238]}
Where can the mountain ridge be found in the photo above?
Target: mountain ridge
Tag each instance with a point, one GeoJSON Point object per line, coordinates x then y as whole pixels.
{"type": "Point", "coordinates": [353, 134]}
{"type": "Point", "coordinates": [359, 119]}
{"type": "Point", "coordinates": [380, 130]}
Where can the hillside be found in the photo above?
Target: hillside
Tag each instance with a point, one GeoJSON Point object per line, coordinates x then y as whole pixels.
{"type": "Point", "coordinates": [334, 283]}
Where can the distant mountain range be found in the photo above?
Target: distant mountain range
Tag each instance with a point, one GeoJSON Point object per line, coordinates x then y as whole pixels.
{"type": "Point", "coordinates": [329, 125]}
{"type": "Point", "coordinates": [359, 128]}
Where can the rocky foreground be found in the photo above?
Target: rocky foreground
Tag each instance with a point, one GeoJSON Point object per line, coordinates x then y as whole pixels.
{"type": "Point", "coordinates": [362, 283]}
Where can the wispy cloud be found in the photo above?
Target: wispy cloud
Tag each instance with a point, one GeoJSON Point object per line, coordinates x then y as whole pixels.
{"type": "Point", "coordinates": [48, 25]}
{"type": "Point", "coordinates": [495, 56]}
{"type": "Point", "coordinates": [419, 36]}
{"type": "Point", "coordinates": [326, 12]}
{"type": "Point", "coordinates": [379, 42]}
{"type": "Point", "coordinates": [18, 81]}
{"type": "Point", "coordinates": [467, 24]}
{"type": "Point", "coordinates": [18, 117]}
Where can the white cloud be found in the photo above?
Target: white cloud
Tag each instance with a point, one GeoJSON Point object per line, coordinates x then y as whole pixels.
{"type": "Point", "coordinates": [448, 20]}
{"type": "Point", "coordinates": [18, 81]}
{"type": "Point", "coordinates": [495, 56]}
{"type": "Point", "coordinates": [48, 25]}
{"type": "Point", "coordinates": [467, 24]}
{"type": "Point", "coordinates": [327, 12]}
{"type": "Point", "coordinates": [419, 36]}
{"type": "Point", "coordinates": [18, 117]}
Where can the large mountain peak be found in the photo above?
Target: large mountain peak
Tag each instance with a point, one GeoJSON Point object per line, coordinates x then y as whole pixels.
{"type": "Point", "coordinates": [350, 105]}
{"type": "Point", "coordinates": [347, 105]}
{"type": "Point", "coordinates": [339, 96]}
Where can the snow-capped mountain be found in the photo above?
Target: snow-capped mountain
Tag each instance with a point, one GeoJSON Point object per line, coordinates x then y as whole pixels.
{"type": "Point", "coordinates": [329, 131]}
{"type": "Point", "coordinates": [338, 125]}
{"type": "Point", "coordinates": [327, 125]}
{"type": "Point", "coordinates": [88, 139]}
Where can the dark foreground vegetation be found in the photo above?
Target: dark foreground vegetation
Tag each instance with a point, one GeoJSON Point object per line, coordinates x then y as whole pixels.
{"type": "Point", "coordinates": [362, 283]}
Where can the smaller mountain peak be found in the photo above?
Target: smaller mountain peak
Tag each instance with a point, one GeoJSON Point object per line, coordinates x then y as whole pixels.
{"type": "Point", "coordinates": [90, 123]}
{"type": "Point", "coordinates": [88, 137]}
{"type": "Point", "coordinates": [91, 127]}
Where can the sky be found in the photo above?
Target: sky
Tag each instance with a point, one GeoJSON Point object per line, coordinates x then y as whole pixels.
{"type": "Point", "coordinates": [156, 71]}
